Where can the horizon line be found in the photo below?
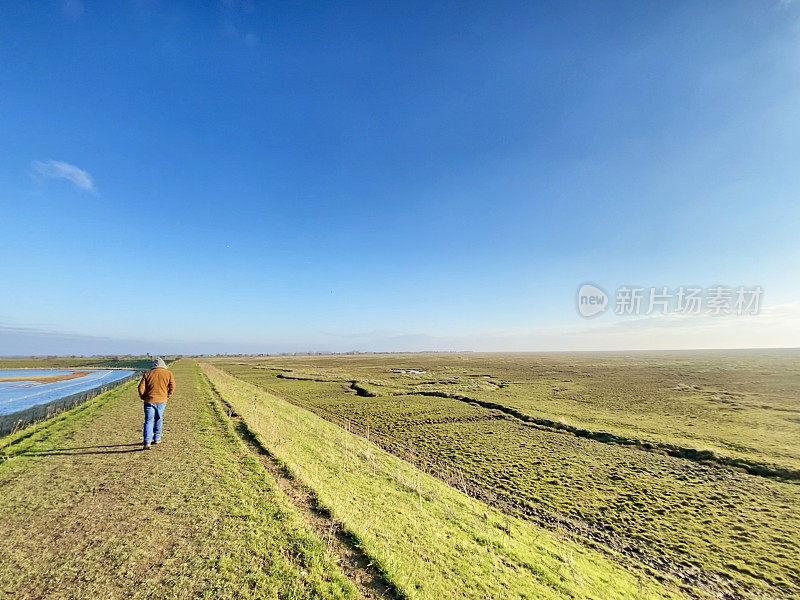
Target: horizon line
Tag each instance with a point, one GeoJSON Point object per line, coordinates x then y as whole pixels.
{"type": "Point", "coordinates": [355, 352]}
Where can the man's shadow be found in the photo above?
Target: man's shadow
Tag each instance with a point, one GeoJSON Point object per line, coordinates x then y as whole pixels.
{"type": "Point", "coordinates": [84, 450]}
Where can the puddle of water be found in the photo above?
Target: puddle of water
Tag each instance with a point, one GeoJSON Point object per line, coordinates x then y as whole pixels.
{"type": "Point", "coordinates": [34, 372]}
{"type": "Point", "coordinates": [20, 395]}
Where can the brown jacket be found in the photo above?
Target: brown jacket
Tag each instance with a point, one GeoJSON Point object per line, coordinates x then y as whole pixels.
{"type": "Point", "coordinates": [156, 385]}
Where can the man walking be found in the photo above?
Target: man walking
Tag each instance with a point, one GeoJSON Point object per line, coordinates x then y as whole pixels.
{"type": "Point", "coordinates": [156, 386]}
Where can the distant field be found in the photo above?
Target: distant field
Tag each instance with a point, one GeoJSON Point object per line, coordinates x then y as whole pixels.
{"type": "Point", "coordinates": [59, 362]}
{"type": "Point", "coordinates": [632, 451]}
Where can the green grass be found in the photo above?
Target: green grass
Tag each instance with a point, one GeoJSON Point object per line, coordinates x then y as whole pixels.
{"type": "Point", "coordinates": [740, 530]}
{"type": "Point", "coordinates": [429, 539]}
{"type": "Point", "coordinates": [86, 514]}
{"type": "Point", "coordinates": [742, 404]}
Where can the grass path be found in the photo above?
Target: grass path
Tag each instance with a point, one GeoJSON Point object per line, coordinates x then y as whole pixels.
{"type": "Point", "coordinates": [87, 514]}
{"type": "Point", "coordinates": [354, 562]}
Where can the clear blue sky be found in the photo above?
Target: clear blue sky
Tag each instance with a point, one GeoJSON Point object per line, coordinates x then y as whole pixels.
{"type": "Point", "coordinates": [262, 176]}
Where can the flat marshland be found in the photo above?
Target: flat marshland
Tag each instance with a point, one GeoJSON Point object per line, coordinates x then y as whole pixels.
{"type": "Point", "coordinates": [685, 462]}
{"type": "Point", "coordinates": [429, 539]}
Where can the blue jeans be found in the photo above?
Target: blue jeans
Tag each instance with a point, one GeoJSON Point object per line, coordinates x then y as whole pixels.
{"type": "Point", "coordinates": [153, 418]}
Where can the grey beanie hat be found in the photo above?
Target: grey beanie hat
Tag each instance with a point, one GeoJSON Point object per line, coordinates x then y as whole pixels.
{"type": "Point", "coordinates": [159, 362]}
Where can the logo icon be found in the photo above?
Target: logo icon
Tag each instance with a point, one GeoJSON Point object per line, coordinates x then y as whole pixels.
{"type": "Point", "coordinates": [592, 300]}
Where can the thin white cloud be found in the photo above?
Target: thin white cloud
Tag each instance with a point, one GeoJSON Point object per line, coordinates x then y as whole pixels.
{"type": "Point", "coordinates": [73, 9]}
{"type": "Point", "coordinates": [54, 169]}
{"type": "Point", "coordinates": [249, 39]}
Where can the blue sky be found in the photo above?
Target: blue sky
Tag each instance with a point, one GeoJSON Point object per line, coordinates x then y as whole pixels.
{"type": "Point", "coordinates": [252, 176]}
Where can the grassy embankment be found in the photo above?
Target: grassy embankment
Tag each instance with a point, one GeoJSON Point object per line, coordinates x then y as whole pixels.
{"type": "Point", "coordinates": [716, 526]}
{"type": "Point", "coordinates": [87, 514]}
{"type": "Point", "coordinates": [430, 540]}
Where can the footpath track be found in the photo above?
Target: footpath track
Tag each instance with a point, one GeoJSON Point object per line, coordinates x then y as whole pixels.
{"type": "Point", "coordinates": [87, 514]}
